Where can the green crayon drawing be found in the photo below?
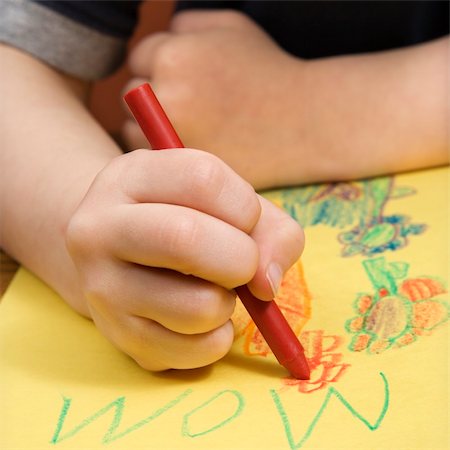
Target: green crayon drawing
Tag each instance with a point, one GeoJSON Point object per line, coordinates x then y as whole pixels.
{"type": "Point", "coordinates": [118, 408]}
{"type": "Point", "coordinates": [332, 393]}
{"type": "Point", "coordinates": [118, 405]}
{"type": "Point", "coordinates": [186, 427]}
{"type": "Point", "coordinates": [359, 205]}
{"type": "Point", "coordinates": [399, 310]}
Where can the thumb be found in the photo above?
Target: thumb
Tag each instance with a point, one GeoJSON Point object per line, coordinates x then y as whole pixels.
{"type": "Point", "coordinates": [280, 240]}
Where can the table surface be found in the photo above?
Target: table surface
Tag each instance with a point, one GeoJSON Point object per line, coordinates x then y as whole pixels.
{"type": "Point", "coordinates": [8, 268]}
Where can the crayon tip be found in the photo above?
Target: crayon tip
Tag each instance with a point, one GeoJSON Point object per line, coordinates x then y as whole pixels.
{"type": "Point", "coordinates": [298, 367]}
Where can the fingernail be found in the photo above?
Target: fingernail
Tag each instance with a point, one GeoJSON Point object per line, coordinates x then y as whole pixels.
{"type": "Point", "coordinates": [274, 275]}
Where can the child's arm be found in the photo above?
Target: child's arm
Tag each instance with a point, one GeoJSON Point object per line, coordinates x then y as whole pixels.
{"type": "Point", "coordinates": [152, 256]}
{"type": "Point", "coordinates": [51, 151]}
{"type": "Point", "coordinates": [229, 88]}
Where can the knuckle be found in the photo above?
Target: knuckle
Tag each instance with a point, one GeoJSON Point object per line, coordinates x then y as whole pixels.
{"type": "Point", "coordinates": [297, 235]}
{"type": "Point", "coordinates": [144, 341]}
{"type": "Point", "coordinates": [180, 235]}
{"type": "Point", "coordinates": [81, 233]}
{"type": "Point", "coordinates": [111, 172]}
{"type": "Point", "coordinates": [234, 18]}
{"type": "Point", "coordinates": [219, 341]}
{"type": "Point", "coordinates": [165, 55]}
{"type": "Point", "coordinates": [138, 55]}
{"type": "Point", "coordinates": [98, 293]}
{"type": "Point", "coordinates": [102, 291]}
{"type": "Point", "coordinates": [206, 309]}
{"type": "Point", "coordinates": [182, 352]}
{"type": "Point", "coordinates": [249, 262]}
{"type": "Point", "coordinates": [250, 208]}
{"type": "Point", "coordinates": [294, 236]}
{"type": "Point", "coordinates": [210, 180]}
{"type": "Point", "coordinates": [121, 169]}
{"type": "Point", "coordinates": [170, 55]}
{"type": "Point", "coordinates": [202, 349]}
{"type": "Point", "coordinates": [206, 176]}
{"type": "Point", "coordinates": [141, 56]}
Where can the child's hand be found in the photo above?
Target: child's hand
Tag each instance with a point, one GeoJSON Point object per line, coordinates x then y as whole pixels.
{"type": "Point", "coordinates": [227, 87]}
{"type": "Point", "coordinates": [160, 241]}
{"type": "Point", "coordinates": [280, 120]}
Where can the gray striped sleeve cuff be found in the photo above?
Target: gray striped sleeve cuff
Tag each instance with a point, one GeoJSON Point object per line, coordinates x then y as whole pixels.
{"type": "Point", "coordinates": [62, 43]}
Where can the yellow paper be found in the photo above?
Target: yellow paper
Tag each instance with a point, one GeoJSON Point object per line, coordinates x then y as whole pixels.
{"type": "Point", "coordinates": [369, 300]}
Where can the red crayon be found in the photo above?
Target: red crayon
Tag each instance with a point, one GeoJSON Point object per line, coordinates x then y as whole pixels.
{"type": "Point", "coordinates": [267, 316]}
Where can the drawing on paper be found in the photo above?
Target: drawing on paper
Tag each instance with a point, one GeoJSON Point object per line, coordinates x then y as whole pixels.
{"type": "Point", "coordinates": [294, 300]}
{"type": "Point", "coordinates": [398, 311]}
{"type": "Point", "coordinates": [321, 350]}
{"type": "Point", "coordinates": [324, 359]}
{"type": "Point", "coordinates": [359, 205]}
{"type": "Point", "coordinates": [331, 393]}
{"type": "Point", "coordinates": [116, 431]}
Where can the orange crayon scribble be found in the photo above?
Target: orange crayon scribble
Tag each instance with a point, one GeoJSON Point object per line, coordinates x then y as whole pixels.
{"type": "Point", "coordinates": [364, 303]}
{"type": "Point", "coordinates": [294, 301]}
{"type": "Point", "coordinates": [379, 346]}
{"type": "Point", "coordinates": [407, 339]}
{"type": "Point", "coordinates": [356, 324]}
{"type": "Point", "coordinates": [427, 315]}
{"type": "Point", "coordinates": [361, 342]}
{"type": "Point", "coordinates": [254, 343]}
{"type": "Point", "coordinates": [421, 288]}
{"type": "Point", "coordinates": [321, 350]}
{"type": "Point", "coordinates": [324, 362]}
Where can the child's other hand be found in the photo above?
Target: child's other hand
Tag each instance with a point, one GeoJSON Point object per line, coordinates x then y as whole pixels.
{"type": "Point", "coordinates": [227, 87]}
{"type": "Point", "coordinates": [281, 120]}
{"type": "Point", "coordinates": [161, 240]}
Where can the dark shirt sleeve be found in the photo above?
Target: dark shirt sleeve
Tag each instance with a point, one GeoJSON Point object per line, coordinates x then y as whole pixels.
{"type": "Point", "coordinates": [86, 39]}
{"type": "Point", "coordinates": [317, 29]}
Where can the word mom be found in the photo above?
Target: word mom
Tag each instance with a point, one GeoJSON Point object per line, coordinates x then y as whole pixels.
{"type": "Point", "coordinates": [186, 425]}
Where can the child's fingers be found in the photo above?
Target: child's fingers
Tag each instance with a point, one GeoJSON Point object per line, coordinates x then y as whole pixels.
{"type": "Point", "coordinates": [145, 54]}
{"type": "Point", "coordinates": [180, 303]}
{"type": "Point", "coordinates": [156, 348]}
{"type": "Point", "coordinates": [187, 177]}
{"type": "Point", "coordinates": [177, 351]}
{"type": "Point", "coordinates": [195, 21]}
{"type": "Point", "coordinates": [280, 241]}
{"type": "Point", "coordinates": [181, 239]}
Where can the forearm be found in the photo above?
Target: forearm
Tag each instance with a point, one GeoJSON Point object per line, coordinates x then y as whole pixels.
{"type": "Point", "coordinates": [51, 151]}
{"type": "Point", "coordinates": [373, 114]}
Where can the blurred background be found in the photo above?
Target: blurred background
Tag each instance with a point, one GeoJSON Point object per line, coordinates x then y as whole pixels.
{"type": "Point", "coordinates": [106, 102]}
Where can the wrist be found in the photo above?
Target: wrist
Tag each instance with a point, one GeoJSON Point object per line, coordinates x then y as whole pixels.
{"type": "Point", "coordinates": [297, 158]}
